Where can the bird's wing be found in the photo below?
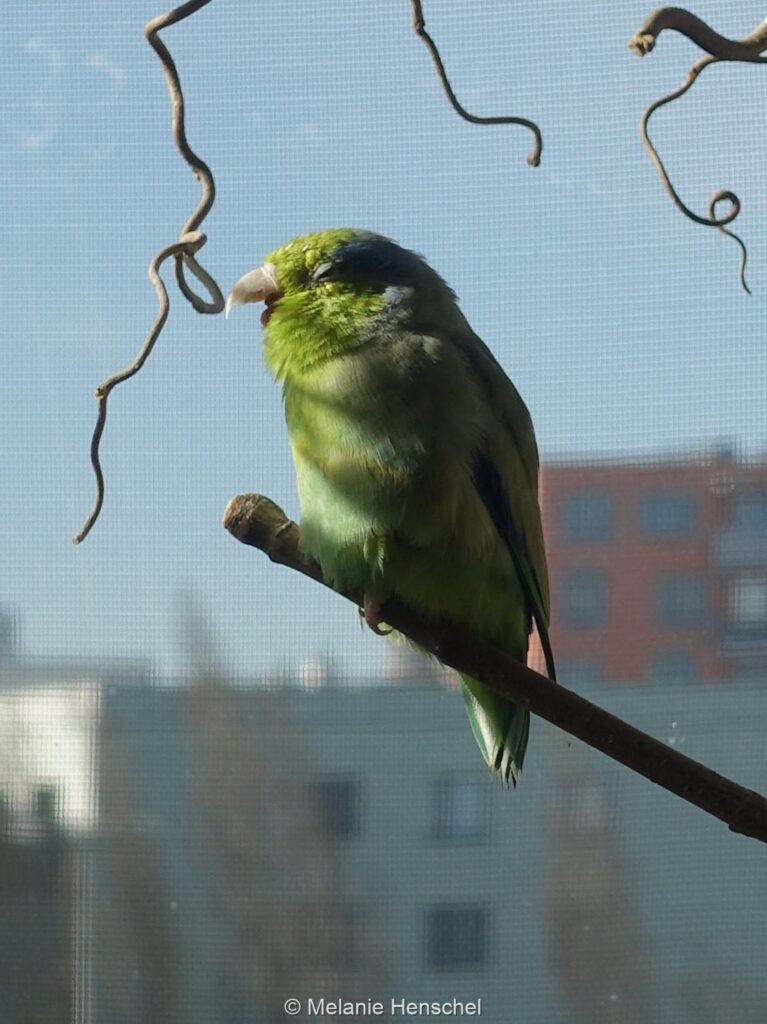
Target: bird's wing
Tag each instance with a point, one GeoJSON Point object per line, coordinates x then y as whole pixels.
{"type": "Point", "coordinates": [505, 474]}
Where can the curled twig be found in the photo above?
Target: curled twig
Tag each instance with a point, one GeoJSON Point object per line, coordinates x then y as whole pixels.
{"type": "Point", "coordinates": [419, 25]}
{"type": "Point", "coordinates": [719, 197]}
{"type": "Point", "coordinates": [199, 167]}
{"type": "Point", "coordinates": [183, 251]}
{"type": "Point", "coordinates": [190, 244]}
{"type": "Point", "coordinates": [718, 48]}
{"type": "Point", "coordinates": [697, 31]}
{"type": "Point", "coordinates": [255, 520]}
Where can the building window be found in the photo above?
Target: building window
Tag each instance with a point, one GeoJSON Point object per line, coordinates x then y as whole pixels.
{"type": "Point", "coordinates": [748, 602]}
{"type": "Point", "coordinates": [457, 937]}
{"type": "Point", "coordinates": [742, 542]}
{"type": "Point", "coordinates": [461, 808]}
{"type": "Point", "coordinates": [750, 509]}
{"type": "Point", "coordinates": [46, 804]}
{"type": "Point", "coordinates": [583, 598]}
{"type": "Point", "coordinates": [672, 666]}
{"type": "Point", "coordinates": [680, 600]}
{"type": "Point", "coordinates": [668, 514]}
{"type": "Point", "coordinates": [587, 516]}
{"type": "Point", "coordinates": [338, 800]}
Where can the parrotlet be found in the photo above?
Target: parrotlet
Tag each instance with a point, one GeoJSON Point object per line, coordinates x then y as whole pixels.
{"type": "Point", "coordinates": [415, 456]}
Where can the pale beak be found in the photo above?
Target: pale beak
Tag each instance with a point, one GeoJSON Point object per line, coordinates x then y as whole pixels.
{"type": "Point", "coordinates": [257, 286]}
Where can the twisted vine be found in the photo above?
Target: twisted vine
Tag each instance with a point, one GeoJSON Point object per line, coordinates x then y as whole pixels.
{"type": "Point", "coordinates": [718, 48]}
{"type": "Point", "coordinates": [534, 158]}
{"type": "Point", "coordinates": [183, 251]}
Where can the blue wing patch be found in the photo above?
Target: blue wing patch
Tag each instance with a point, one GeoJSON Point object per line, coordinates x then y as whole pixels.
{"type": "Point", "coordinates": [492, 491]}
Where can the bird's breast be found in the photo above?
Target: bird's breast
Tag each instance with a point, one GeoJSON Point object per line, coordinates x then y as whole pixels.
{"type": "Point", "coordinates": [383, 445]}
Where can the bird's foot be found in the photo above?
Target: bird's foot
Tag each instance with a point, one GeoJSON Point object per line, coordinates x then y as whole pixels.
{"type": "Point", "coordinates": [371, 610]}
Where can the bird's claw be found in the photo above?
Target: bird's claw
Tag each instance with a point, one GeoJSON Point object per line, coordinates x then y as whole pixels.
{"type": "Point", "coordinates": [371, 610]}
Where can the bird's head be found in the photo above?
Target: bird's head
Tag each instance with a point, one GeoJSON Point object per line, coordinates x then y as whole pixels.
{"type": "Point", "coordinates": [330, 292]}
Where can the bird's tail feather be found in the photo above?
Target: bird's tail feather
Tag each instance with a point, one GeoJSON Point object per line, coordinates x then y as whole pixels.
{"type": "Point", "coordinates": [500, 728]}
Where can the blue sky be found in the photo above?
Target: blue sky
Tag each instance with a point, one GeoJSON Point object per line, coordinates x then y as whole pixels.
{"type": "Point", "coordinates": [621, 323]}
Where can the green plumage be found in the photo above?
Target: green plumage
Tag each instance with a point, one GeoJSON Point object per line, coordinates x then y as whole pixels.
{"type": "Point", "coordinates": [415, 456]}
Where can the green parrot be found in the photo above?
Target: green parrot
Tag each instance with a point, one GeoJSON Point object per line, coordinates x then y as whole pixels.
{"type": "Point", "coordinates": [415, 456]}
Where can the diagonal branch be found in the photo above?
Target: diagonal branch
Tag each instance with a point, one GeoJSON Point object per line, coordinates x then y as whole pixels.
{"type": "Point", "coordinates": [718, 48]}
{"type": "Point", "coordinates": [255, 520]}
{"type": "Point", "coordinates": [184, 251]}
{"type": "Point", "coordinates": [419, 25]}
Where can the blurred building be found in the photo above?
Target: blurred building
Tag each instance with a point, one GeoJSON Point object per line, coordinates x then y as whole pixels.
{"type": "Point", "coordinates": [201, 852]}
{"type": "Point", "coordinates": [303, 842]}
{"type": "Point", "coordinates": [49, 782]}
{"type": "Point", "coordinates": [658, 568]}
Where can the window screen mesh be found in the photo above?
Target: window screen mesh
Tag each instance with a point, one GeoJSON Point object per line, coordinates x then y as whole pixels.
{"type": "Point", "coordinates": [217, 792]}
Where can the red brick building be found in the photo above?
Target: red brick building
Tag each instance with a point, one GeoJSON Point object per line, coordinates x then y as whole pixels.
{"type": "Point", "coordinates": [658, 568]}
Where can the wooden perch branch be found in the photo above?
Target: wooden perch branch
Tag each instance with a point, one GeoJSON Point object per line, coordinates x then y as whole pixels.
{"type": "Point", "coordinates": [255, 520]}
{"type": "Point", "coordinates": [717, 48]}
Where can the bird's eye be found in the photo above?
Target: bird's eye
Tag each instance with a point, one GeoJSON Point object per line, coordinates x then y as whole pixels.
{"type": "Point", "coordinates": [324, 272]}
